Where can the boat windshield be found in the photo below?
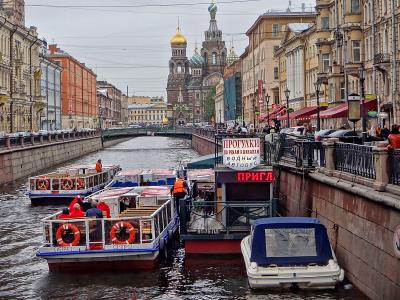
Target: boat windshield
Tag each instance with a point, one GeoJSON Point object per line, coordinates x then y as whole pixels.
{"type": "Point", "coordinates": [290, 242]}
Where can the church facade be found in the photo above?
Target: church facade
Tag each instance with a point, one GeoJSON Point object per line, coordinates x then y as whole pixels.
{"type": "Point", "coordinates": [191, 80]}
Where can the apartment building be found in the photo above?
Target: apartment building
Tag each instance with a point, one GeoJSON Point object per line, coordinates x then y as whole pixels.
{"type": "Point", "coordinates": [259, 63]}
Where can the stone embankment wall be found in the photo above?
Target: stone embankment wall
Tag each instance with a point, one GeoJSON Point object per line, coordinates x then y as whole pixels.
{"type": "Point", "coordinates": [21, 162]}
{"type": "Point", "coordinates": [360, 222]}
{"type": "Point", "coordinates": [203, 145]}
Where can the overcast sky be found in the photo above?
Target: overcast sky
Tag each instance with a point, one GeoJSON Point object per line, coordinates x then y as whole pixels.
{"type": "Point", "coordinates": [130, 46]}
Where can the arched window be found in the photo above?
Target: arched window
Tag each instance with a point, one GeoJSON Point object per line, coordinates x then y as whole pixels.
{"type": "Point", "coordinates": [179, 69]}
{"type": "Point", "coordinates": [214, 58]}
{"type": "Point", "coordinates": [205, 58]}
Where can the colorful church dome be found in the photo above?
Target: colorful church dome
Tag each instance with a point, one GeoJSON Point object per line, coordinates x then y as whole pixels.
{"type": "Point", "coordinates": [196, 60]}
{"type": "Point", "coordinates": [213, 7]}
{"type": "Point", "coordinates": [178, 39]}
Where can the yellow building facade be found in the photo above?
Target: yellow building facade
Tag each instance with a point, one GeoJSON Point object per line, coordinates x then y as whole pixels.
{"type": "Point", "coordinates": [148, 114]}
{"type": "Point", "coordinates": [259, 62]}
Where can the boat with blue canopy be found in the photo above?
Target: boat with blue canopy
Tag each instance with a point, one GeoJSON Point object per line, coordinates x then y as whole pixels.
{"type": "Point", "coordinates": [290, 251]}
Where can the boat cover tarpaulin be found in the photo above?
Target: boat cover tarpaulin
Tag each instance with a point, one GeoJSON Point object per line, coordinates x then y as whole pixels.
{"type": "Point", "coordinates": [290, 242]}
{"type": "Point", "coordinates": [203, 162]}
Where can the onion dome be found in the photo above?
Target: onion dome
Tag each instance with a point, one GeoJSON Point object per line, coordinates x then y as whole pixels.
{"type": "Point", "coordinates": [232, 56]}
{"type": "Point", "coordinates": [178, 39]}
{"type": "Point", "coordinates": [196, 60]}
{"type": "Point", "coordinates": [212, 8]}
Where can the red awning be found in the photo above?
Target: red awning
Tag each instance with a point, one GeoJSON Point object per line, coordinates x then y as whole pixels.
{"type": "Point", "coordinates": [340, 111]}
{"type": "Point", "coordinates": [271, 114]}
{"type": "Point", "coordinates": [303, 113]}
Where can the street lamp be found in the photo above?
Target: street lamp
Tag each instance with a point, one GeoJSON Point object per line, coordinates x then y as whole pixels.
{"type": "Point", "coordinates": [287, 94]}
{"type": "Point", "coordinates": [317, 86]}
{"type": "Point", "coordinates": [267, 97]}
{"type": "Point", "coordinates": [361, 76]}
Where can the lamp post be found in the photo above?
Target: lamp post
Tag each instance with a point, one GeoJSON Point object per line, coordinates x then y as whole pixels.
{"type": "Point", "coordinates": [317, 86]}
{"type": "Point", "coordinates": [267, 97]}
{"type": "Point", "coordinates": [361, 76]}
{"type": "Point", "coordinates": [287, 94]}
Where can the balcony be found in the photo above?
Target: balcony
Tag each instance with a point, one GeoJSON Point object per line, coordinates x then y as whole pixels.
{"type": "Point", "coordinates": [352, 68]}
{"type": "Point", "coordinates": [381, 58]}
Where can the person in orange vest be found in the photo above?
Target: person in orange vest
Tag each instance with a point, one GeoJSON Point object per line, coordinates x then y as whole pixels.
{"type": "Point", "coordinates": [99, 166]}
{"type": "Point", "coordinates": [179, 190]}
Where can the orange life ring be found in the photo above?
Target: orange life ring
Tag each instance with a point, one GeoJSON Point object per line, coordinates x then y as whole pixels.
{"type": "Point", "coordinates": [67, 184]}
{"type": "Point", "coordinates": [120, 230]}
{"type": "Point", "coordinates": [80, 183]}
{"type": "Point", "coordinates": [64, 234]}
{"type": "Point", "coordinates": [42, 184]}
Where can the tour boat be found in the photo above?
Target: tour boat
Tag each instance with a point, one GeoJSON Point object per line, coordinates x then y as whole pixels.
{"type": "Point", "coordinates": [139, 177]}
{"type": "Point", "coordinates": [225, 200]}
{"type": "Point", "coordinates": [66, 183]}
{"type": "Point", "coordinates": [143, 221]}
{"type": "Point", "coordinates": [285, 252]}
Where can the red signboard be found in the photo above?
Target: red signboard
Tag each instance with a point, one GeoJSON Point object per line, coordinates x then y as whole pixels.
{"type": "Point", "coordinates": [255, 176]}
{"type": "Point", "coordinates": [260, 92]}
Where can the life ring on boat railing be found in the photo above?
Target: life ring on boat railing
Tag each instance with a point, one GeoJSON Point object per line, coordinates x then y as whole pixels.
{"type": "Point", "coordinates": [80, 183]}
{"type": "Point", "coordinates": [67, 184]}
{"type": "Point", "coordinates": [42, 184]}
{"type": "Point", "coordinates": [122, 233]}
{"type": "Point", "coordinates": [68, 235]}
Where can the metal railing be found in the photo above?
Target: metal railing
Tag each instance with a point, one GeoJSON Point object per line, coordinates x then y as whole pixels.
{"type": "Point", "coordinates": [381, 58]}
{"type": "Point", "coordinates": [355, 159]}
{"type": "Point", "coordinates": [300, 151]}
{"type": "Point", "coordinates": [394, 166]}
{"type": "Point", "coordinates": [13, 140]}
{"type": "Point", "coordinates": [213, 217]}
{"type": "Point", "coordinates": [145, 131]}
{"type": "Point", "coordinates": [208, 133]}
{"type": "Point", "coordinates": [96, 233]}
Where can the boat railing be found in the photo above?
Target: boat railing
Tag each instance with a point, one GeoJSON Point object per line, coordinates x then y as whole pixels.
{"type": "Point", "coordinates": [76, 182]}
{"type": "Point", "coordinates": [97, 234]}
{"type": "Point", "coordinates": [214, 217]}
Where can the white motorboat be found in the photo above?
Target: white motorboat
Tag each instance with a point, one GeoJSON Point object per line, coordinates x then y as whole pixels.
{"type": "Point", "coordinates": [285, 252]}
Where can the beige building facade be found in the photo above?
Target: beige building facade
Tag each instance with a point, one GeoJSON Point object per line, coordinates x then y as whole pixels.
{"type": "Point", "coordinates": [148, 114]}
{"type": "Point", "coordinates": [21, 102]}
{"type": "Point", "coordinates": [259, 63]}
{"type": "Point", "coordinates": [219, 103]}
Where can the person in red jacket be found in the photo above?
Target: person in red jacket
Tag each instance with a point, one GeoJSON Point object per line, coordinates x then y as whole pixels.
{"type": "Point", "coordinates": [76, 212]}
{"type": "Point", "coordinates": [104, 208]}
{"type": "Point", "coordinates": [394, 138]}
{"type": "Point", "coordinates": [64, 214]}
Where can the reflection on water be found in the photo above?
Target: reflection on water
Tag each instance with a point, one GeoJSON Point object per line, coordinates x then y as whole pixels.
{"type": "Point", "coordinates": [24, 276]}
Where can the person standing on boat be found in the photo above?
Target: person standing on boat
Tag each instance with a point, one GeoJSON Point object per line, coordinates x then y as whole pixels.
{"type": "Point", "coordinates": [104, 208]}
{"type": "Point", "coordinates": [94, 211]}
{"type": "Point", "coordinates": [99, 166]}
{"type": "Point", "coordinates": [179, 190]}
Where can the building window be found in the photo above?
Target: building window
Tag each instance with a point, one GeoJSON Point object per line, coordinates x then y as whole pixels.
{"type": "Point", "coordinates": [342, 91]}
{"type": "Point", "coordinates": [275, 29]}
{"type": "Point", "coordinates": [275, 72]}
{"type": "Point", "coordinates": [325, 62]}
{"type": "Point", "coordinates": [356, 51]}
{"type": "Point", "coordinates": [276, 48]}
{"type": "Point", "coordinates": [355, 6]}
{"type": "Point", "coordinates": [325, 23]}
{"type": "Point", "coordinates": [214, 58]}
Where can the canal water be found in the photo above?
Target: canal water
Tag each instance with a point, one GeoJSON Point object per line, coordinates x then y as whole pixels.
{"type": "Point", "coordinates": [24, 276]}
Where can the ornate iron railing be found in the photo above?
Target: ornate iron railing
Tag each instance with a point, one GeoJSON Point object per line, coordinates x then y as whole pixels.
{"type": "Point", "coordinates": [394, 166]}
{"type": "Point", "coordinates": [355, 159]}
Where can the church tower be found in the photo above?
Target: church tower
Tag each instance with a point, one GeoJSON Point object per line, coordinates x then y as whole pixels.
{"type": "Point", "coordinates": [14, 10]}
{"type": "Point", "coordinates": [214, 50]}
{"type": "Point", "coordinates": [178, 78]}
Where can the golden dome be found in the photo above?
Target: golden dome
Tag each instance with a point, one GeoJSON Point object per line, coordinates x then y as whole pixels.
{"type": "Point", "coordinates": [178, 38]}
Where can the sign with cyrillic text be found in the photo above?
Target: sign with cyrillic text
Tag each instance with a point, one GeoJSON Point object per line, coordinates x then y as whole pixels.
{"type": "Point", "coordinates": [241, 154]}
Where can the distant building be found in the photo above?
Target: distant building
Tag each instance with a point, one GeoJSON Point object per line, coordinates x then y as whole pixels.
{"type": "Point", "coordinates": [50, 86]}
{"type": "Point", "coordinates": [219, 103]}
{"type": "Point", "coordinates": [148, 114]}
{"type": "Point", "coordinates": [79, 107]}
{"type": "Point", "coordinates": [114, 96]}
{"type": "Point", "coordinates": [21, 104]}
{"type": "Point", "coordinates": [124, 110]}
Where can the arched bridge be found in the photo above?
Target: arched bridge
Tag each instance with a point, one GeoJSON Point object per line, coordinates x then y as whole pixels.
{"type": "Point", "coordinates": [111, 134]}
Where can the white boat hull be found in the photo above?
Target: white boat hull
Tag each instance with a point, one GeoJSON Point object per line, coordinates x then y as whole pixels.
{"type": "Point", "coordinates": [313, 276]}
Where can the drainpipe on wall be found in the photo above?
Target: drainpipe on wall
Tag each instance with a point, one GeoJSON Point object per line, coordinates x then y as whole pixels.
{"type": "Point", "coordinates": [30, 82]}
{"type": "Point", "coordinates": [11, 78]}
{"type": "Point", "coordinates": [394, 63]}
